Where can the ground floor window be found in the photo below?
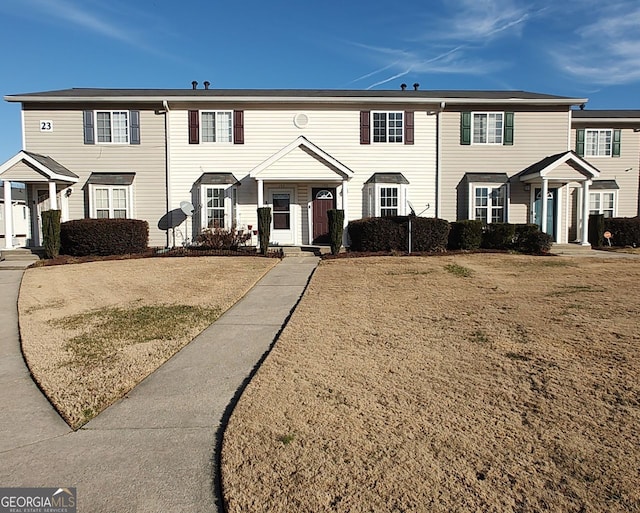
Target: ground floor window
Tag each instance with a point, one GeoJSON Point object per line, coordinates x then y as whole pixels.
{"type": "Point", "coordinates": [385, 195]}
{"type": "Point", "coordinates": [214, 204]}
{"type": "Point", "coordinates": [110, 202]}
{"type": "Point", "coordinates": [489, 203]}
{"type": "Point", "coordinates": [388, 201]}
{"type": "Point", "coordinates": [602, 202]}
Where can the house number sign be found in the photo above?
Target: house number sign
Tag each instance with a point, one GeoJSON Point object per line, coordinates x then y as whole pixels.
{"type": "Point", "coordinates": [46, 125]}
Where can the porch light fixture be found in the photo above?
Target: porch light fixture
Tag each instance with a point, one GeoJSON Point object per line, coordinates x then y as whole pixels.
{"type": "Point", "coordinates": [527, 187]}
{"type": "Point", "coordinates": [68, 192]}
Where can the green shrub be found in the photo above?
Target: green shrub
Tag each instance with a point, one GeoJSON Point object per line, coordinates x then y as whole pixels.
{"type": "Point", "coordinates": [264, 228]}
{"type": "Point", "coordinates": [336, 229]}
{"type": "Point", "coordinates": [596, 230]}
{"type": "Point", "coordinates": [498, 236]}
{"type": "Point", "coordinates": [219, 238]}
{"type": "Point", "coordinates": [625, 231]}
{"type": "Point", "coordinates": [82, 237]}
{"type": "Point", "coordinates": [522, 231]}
{"type": "Point", "coordinates": [374, 234]}
{"type": "Point", "coordinates": [51, 233]}
{"type": "Point", "coordinates": [392, 234]}
{"type": "Point", "coordinates": [466, 234]}
{"type": "Point", "coordinates": [535, 243]}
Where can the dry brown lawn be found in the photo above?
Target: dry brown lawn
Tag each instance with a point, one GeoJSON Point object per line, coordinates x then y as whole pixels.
{"type": "Point", "coordinates": [400, 384]}
{"type": "Point", "coordinates": [90, 332]}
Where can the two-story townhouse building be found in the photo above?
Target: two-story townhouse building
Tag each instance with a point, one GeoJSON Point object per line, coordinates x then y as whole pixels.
{"type": "Point", "coordinates": [610, 140]}
{"type": "Point", "coordinates": [489, 155]}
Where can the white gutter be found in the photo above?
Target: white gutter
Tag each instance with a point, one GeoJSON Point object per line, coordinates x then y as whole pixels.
{"type": "Point", "coordinates": [167, 157]}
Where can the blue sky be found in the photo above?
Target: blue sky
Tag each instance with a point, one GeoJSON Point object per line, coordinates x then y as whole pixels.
{"type": "Point", "coordinates": [578, 48]}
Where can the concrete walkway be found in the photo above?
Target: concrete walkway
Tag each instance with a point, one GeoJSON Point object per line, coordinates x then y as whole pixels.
{"type": "Point", "coordinates": [158, 449]}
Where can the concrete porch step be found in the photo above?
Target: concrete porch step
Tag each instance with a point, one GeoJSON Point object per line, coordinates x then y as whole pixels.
{"type": "Point", "coordinates": [19, 255]}
{"type": "Point", "coordinates": [570, 249]}
{"type": "Point", "coordinates": [304, 251]}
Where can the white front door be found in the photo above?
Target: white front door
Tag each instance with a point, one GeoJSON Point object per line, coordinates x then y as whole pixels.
{"type": "Point", "coordinates": [282, 216]}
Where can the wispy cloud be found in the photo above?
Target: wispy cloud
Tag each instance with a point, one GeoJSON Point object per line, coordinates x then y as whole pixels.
{"type": "Point", "coordinates": [606, 51]}
{"type": "Point", "coordinates": [452, 43]}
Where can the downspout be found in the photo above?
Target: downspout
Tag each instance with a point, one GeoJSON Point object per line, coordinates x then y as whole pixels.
{"type": "Point", "coordinates": [438, 159]}
{"type": "Point", "coordinates": [167, 159]}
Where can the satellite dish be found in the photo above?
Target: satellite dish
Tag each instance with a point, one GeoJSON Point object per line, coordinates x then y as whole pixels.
{"type": "Point", "coordinates": [187, 207]}
{"type": "Point", "coordinates": [413, 210]}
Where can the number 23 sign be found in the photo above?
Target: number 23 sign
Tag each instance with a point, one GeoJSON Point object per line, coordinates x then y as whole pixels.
{"type": "Point", "coordinates": [46, 125]}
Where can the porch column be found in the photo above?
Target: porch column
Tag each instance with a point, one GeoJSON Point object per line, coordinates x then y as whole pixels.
{"type": "Point", "coordinates": [543, 214]}
{"type": "Point", "coordinates": [585, 213]}
{"type": "Point", "coordinates": [260, 193]}
{"type": "Point", "coordinates": [8, 223]}
{"type": "Point", "coordinates": [53, 200]}
{"type": "Point", "coordinates": [345, 201]}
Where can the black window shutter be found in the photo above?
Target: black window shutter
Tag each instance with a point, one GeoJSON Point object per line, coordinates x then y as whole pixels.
{"type": "Point", "coordinates": [615, 147]}
{"type": "Point", "coordinates": [87, 123]}
{"type": "Point", "coordinates": [408, 127]}
{"type": "Point", "coordinates": [507, 140]}
{"type": "Point", "coordinates": [365, 127]}
{"type": "Point", "coordinates": [134, 127]}
{"type": "Point", "coordinates": [465, 128]}
{"type": "Point", "coordinates": [194, 127]}
{"type": "Point", "coordinates": [238, 127]}
{"type": "Point", "coordinates": [580, 142]}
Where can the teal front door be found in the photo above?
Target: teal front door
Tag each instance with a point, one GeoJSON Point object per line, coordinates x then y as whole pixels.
{"type": "Point", "coordinates": [552, 196]}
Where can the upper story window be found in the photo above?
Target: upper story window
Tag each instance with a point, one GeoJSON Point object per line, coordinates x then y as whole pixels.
{"type": "Point", "coordinates": [388, 127]}
{"type": "Point", "coordinates": [487, 128]}
{"type": "Point", "coordinates": [598, 142]}
{"type": "Point", "coordinates": [111, 126]}
{"type": "Point", "coordinates": [217, 126]}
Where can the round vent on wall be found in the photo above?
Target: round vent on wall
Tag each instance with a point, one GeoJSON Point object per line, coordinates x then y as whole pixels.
{"type": "Point", "coordinates": [301, 120]}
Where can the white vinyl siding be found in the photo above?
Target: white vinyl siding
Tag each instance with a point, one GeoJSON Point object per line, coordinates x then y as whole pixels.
{"type": "Point", "coordinates": [487, 127]}
{"type": "Point", "coordinates": [112, 127]}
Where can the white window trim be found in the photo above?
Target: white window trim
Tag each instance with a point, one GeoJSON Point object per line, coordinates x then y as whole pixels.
{"type": "Point", "coordinates": [215, 113]}
{"type": "Point", "coordinates": [374, 197]}
{"type": "Point", "coordinates": [605, 155]}
{"type": "Point", "coordinates": [111, 112]}
{"type": "Point", "coordinates": [387, 112]}
{"type": "Point", "coordinates": [490, 185]}
{"type": "Point", "coordinates": [230, 210]}
{"type": "Point", "coordinates": [601, 193]}
{"type": "Point", "coordinates": [92, 199]}
{"type": "Point", "coordinates": [473, 117]}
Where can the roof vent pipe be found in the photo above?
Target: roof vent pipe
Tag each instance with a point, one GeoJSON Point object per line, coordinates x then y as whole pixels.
{"type": "Point", "coordinates": [416, 86]}
{"type": "Point", "coordinates": [403, 87]}
{"type": "Point", "coordinates": [207, 84]}
{"type": "Point", "coordinates": [194, 85]}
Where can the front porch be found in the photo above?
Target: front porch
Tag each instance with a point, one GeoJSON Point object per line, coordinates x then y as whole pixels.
{"type": "Point", "coordinates": [47, 185]}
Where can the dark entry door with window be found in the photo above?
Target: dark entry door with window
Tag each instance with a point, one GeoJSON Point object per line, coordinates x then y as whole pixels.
{"type": "Point", "coordinates": [552, 196]}
{"type": "Point", "coordinates": [323, 199]}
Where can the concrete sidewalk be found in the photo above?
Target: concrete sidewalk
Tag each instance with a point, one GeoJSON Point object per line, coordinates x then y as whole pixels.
{"type": "Point", "coordinates": [157, 449]}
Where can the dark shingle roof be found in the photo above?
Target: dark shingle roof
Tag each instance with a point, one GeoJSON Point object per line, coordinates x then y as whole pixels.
{"type": "Point", "coordinates": [394, 178]}
{"type": "Point", "coordinates": [79, 94]}
{"type": "Point", "coordinates": [486, 177]}
{"type": "Point", "coordinates": [595, 114]}
{"type": "Point", "coordinates": [51, 164]}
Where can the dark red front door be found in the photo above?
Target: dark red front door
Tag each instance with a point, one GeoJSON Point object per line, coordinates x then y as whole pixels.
{"type": "Point", "coordinates": [323, 200]}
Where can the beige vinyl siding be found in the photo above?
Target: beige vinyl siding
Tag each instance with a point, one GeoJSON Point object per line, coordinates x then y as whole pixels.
{"type": "Point", "coordinates": [334, 130]}
{"type": "Point", "coordinates": [65, 144]}
{"type": "Point", "coordinates": [538, 133]}
{"type": "Point", "coordinates": [623, 169]}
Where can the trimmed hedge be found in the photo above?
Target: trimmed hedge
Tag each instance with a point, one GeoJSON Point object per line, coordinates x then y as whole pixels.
{"type": "Point", "coordinates": [535, 243]}
{"type": "Point", "coordinates": [51, 233]}
{"type": "Point", "coordinates": [625, 231]}
{"type": "Point", "coordinates": [498, 236]}
{"type": "Point", "coordinates": [103, 237]}
{"type": "Point", "coordinates": [465, 234]}
{"type": "Point", "coordinates": [374, 234]}
{"type": "Point", "coordinates": [336, 229]}
{"type": "Point", "coordinates": [596, 230]}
